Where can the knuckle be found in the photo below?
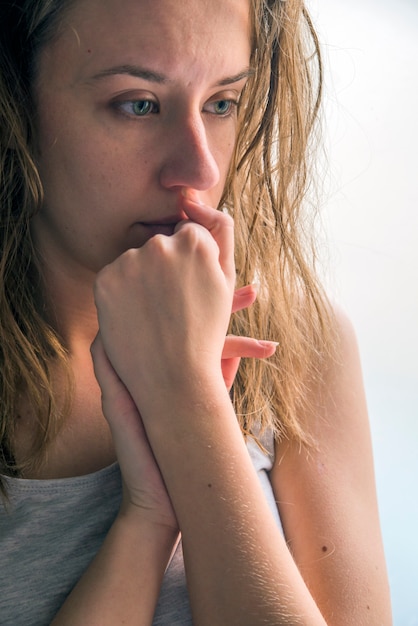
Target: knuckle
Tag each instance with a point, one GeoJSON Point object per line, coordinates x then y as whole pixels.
{"type": "Point", "coordinates": [192, 235]}
{"type": "Point", "coordinates": [157, 242]}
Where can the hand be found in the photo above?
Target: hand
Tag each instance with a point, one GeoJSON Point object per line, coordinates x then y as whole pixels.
{"type": "Point", "coordinates": [143, 484]}
{"type": "Point", "coordinates": [164, 308]}
{"type": "Point", "coordinates": [152, 301]}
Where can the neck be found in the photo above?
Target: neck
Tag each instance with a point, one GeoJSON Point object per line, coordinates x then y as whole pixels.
{"type": "Point", "coordinates": [70, 307]}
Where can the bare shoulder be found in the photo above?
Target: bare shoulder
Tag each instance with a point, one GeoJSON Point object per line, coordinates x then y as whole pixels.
{"type": "Point", "coordinates": [326, 494]}
{"type": "Point", "coordinates": [337, 403]}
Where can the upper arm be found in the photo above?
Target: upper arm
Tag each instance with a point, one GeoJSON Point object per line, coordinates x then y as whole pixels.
{"type": "Point", "coordinates": [327, 497]}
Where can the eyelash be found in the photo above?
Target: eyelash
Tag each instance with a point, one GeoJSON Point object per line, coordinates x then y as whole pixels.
{"type": "Point", "coordinates": [153, 107]}
{"type": "Point", "coordinates": [123, 106]}
{"type": "Point", "coordinates": [232, 107]}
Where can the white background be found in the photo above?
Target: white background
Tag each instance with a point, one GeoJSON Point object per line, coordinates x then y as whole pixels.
{"type": "Point", "coordinates": [371, 216]}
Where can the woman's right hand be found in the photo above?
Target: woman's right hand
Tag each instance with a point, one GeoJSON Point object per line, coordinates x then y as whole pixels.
{"type": "Point", "coordinates": [144, 491]}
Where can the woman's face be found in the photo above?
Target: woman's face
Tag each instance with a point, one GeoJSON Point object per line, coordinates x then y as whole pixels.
{"type": "Point", "coordinates": [135, 100]}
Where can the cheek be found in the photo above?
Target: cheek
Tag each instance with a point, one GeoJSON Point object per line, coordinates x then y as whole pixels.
{"type": "Point", "coordinates": [73, 163]}
{"type": "Point", "coordinates": [224, 155]}
{"type": "Point", "coordinates": [222, 142]}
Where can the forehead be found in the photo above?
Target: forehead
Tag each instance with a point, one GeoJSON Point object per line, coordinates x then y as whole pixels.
{"type": "Point", "coordinates": [171, 34]}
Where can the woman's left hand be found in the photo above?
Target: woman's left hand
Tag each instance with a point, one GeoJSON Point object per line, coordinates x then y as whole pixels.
{"type": "Point", "coordinates": [236, 348]}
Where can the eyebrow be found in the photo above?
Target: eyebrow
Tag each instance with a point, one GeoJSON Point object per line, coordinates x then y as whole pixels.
{"type": "Point", "coordinates": [247, 73]}
{"type": "Point", "coordinates": [156, 77]}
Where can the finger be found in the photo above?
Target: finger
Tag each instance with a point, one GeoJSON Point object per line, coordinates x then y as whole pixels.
{"type": "Point", "coordinates": [229, 370]}
{"type": "Point", "coordinates": [219, 224]}
{"type": "Point", "coordinates": [244, 297]}
{"type": "Point", "coordinates": [247, 347]}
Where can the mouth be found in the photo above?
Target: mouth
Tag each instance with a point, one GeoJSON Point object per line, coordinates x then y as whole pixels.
{"type": "Point", "coordinates": [163, 226]}
{"type": "Point", "coordinates": [159, 228]}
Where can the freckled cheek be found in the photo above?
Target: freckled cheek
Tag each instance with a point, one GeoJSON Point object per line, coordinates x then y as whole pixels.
{"type": "Point", "coordinates": [118, 179]}
{"type": "Point", "coordinates": [73, 176]}
{"type": "Point", "coordinates": [224, 155]}
{"type": "Point", "coordinates": [97, 160]}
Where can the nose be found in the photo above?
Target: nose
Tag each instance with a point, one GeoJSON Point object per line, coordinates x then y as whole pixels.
{"type": "Point", "coordinates": [189, 161]}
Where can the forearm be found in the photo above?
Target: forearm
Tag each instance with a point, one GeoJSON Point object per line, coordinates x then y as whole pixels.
{"type": "Point", "coordinates": [239, 569]}
{"type": "Point", "coordinates": [122, 584]}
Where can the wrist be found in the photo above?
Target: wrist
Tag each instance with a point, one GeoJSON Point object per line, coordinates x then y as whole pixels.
{"type": "Point", "coordinates": [189, 421]}
{"type": "Point", "coordinates": [137, 521]}
{"type": "Point", "coordinates": [185, 394]}
{"type": "Point", "coordinates": [145, 536]}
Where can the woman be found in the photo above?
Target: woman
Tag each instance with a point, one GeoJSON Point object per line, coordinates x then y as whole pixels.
{"type": "Point", "coordinates": [125, 124]}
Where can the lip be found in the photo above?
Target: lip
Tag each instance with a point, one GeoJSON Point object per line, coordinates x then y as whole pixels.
{"type": "Point", "coordinates": [170, 220]}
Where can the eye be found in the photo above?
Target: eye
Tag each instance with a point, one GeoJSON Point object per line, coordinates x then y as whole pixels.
{"type": "Point", "coordinates": [137, 108]}
{"type": "Point", "coordinates": [222, 108]}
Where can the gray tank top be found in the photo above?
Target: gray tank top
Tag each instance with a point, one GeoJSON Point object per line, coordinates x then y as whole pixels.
{"type": "Point", "coordinates": [52, 529]}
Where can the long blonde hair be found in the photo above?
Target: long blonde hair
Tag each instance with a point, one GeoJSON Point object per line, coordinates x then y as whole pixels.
{"type": "Point", "coordinates": [265, 193]}
{"type": "Point", "coordinates": [275, 244]}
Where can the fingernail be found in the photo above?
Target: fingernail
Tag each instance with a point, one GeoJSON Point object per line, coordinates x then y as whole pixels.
{"type": "Point", "coordinates": [243, 292]}
{"type": "Point", "coordinates": [267, 344]}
